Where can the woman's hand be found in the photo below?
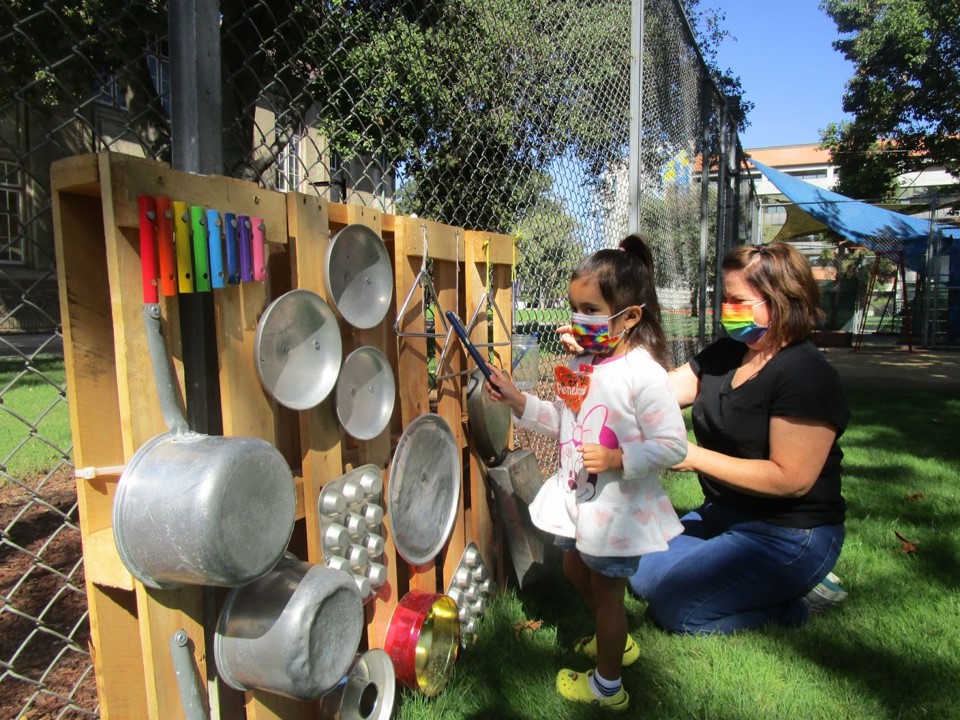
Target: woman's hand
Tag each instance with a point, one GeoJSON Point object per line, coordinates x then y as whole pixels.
{"type": "Point", "coordinates": [689, 463]}
{"type": "Point", "coordinates": [507, 393]}
{"type": "Point", "coordinates": [598, 459]}
{"type": "Point", "coordinates": [566, 339]}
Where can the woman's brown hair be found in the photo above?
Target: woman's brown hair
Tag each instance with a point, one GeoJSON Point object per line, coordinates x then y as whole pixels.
{"type": "Point", "coordinates": [783, 277]}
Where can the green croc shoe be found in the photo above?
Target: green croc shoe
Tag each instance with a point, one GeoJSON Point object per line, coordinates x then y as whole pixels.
{"type": "Point", "coordinates": [575, 686]}
{"type": "Point", "coordinates": [588, 646]}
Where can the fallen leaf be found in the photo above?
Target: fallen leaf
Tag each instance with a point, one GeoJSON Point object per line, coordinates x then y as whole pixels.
{"type": "Point", "coordinates": [907, 546]}
{"type": "Point", "coordinates": [528, 626]}
{"type": "Point", "coordinates": [916, 496]}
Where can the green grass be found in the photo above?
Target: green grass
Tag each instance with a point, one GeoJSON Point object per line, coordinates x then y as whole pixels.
{"type": "Point", "coordinates": [892, 650]}
{"type": "Point", "coordinates": [34, 418]}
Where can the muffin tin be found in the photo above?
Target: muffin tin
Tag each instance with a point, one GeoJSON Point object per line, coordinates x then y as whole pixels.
{"type": "Point", "coordinates": [470, 588]}
{"type": "Point", "coordinates": [351, 519]}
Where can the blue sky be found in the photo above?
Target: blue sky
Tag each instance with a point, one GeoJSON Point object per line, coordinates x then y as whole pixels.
{"type": "Point", "coordinates": [787, 66]}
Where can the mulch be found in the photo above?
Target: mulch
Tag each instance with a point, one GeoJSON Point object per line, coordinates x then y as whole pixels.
{"type": "Point", "coordinates": [897, 367]}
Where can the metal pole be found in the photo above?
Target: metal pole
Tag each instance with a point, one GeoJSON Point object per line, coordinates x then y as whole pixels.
{"type": "Point", "coordinates": [197, 148]}
{"type": "Point", "coordinates": [705, 113]}
{"type": "Point", "coordinates": [636, 113]}
{"type": "Point", "coordinates": [928, 336]}
{"type": "Point", "coordinates": [196, 128]}
{"type": "Point", "coordinates": [721, 217]}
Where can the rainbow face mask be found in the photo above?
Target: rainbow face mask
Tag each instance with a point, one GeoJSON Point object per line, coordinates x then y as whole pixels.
{"type": "Point", "coordinates": [592, 332]}
{"type": "Point", "coordinates": [737, 320]}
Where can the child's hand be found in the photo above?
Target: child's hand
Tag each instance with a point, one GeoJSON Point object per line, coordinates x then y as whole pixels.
{"type": "Point", "coordinates": [566, 339]}
{"type": "Point", "coordinates": [598, 459]}
{"type": "Point", "coordinates": [508, 392]}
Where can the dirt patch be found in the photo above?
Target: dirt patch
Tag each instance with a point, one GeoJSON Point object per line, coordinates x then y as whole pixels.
{"type": "Point", "coordinates": [897, 367]}
{"type": "Point", "coordinates": [44, 632]}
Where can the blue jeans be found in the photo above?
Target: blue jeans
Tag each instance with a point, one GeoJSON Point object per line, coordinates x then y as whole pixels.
{"type": "Point", "coordinates": [726, 572]}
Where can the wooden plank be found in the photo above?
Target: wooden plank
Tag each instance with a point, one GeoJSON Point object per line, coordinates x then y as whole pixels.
{"type": "Point", "coordinates": [412, 378]}
{"type": "Point", "coordinates": [319, 431]}
{"type": "Point", "coordinates": [375, 450]}
{"type": "Point", "coordinates": [450, 401]}
{"type": "Point", "coordinates": [93, 405]}
{"type": "Point", "coordinates": [160, 612]}
{"type": "Point", "coordinates": [77, 175]}
{"type": "Point", "coordinates": [115, 650]}
{"type": "Point", "coordinates": [444, 241]}
{"type": "Point", "coordinates": [214, 191]}
{"type": "Point", "coordinates": [102, 563]}
{"type": "Point", "coordinates": [480, 523]}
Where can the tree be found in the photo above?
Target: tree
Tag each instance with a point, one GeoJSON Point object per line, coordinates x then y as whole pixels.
{"type": "Point", "coordinates": [904, 95]}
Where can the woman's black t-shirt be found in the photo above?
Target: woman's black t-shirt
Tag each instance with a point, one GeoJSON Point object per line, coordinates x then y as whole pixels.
{"type": "Point", "coordinates": [796, 382]}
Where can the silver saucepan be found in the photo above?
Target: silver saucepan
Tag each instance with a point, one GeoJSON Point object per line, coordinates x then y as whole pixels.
{"type": "Point", "coordinates": [200, 509]}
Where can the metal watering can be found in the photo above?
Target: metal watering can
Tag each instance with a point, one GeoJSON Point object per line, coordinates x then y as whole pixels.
{"type": "Point", "coordinates": [199, 509]}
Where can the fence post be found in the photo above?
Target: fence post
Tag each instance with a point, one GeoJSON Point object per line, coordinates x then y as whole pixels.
{"type": "Point", "coordinates": [636, 113]}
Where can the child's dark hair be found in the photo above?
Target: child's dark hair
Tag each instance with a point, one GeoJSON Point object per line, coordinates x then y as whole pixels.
{"type": "Point", "coordinates": [625, 278]}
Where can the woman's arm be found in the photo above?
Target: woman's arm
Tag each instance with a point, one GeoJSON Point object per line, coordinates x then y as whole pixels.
{"type": "Point", "coordinates": [686, 384]}
{"type": "Point", "coordinates": [798, 451]}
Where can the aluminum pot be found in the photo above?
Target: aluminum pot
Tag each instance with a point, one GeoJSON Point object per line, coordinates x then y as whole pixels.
{"type": "Point", "coordinates": [294, 632]}
{"type": "Point", "coordinates": [200, 509]}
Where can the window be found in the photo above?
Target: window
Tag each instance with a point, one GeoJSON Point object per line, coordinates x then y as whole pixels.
{"type": "Point", "coordinates": [114, 94]}
{"type": "Point", "coordinates": [816, 174]}
{"type": "Point", "coordinates": [12, 242]}
{"type": "Point", "coordinates": [289, 167]}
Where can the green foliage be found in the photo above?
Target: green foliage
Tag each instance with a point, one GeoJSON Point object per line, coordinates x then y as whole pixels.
{"type": "Point", "coordinates": [904, 95]}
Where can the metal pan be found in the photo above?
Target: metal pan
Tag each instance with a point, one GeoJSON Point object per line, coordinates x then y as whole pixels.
{"type": "Point", "coordinates": [358, 276]}
{"type": "Point", "coordinates": [366, 392]}
{"type": "Point", "coordinates": [297, 349]}
{"type": "Point", "coordinates": [424, 488]}
{"type": "Point", "coordinates": [488, 421]}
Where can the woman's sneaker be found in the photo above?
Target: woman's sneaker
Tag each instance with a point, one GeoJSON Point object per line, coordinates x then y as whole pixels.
{"type": "Point", "coordinates": [588, 646]}
{"type": "Point", "coordinates": [826, 594]}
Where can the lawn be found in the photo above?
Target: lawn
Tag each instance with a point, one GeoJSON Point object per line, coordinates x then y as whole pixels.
{"type": "Point", "coordinates": [892, 650]}
{"type": "Point", "coordinates": [34, 418]}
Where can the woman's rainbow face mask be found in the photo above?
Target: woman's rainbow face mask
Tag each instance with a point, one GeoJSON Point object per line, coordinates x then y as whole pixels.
{"type": "Point", "coordinates": [737, 319]}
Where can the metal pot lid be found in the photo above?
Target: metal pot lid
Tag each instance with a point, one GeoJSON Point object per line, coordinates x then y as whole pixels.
{"type": "Point", "coordinates": [424, 488]}
{"type": "Point", "coordinates": [489, 421]}
{"type": "Point", "coordinates": [358, 276]}
{"type": "Point", "coordinates": [297, 349]}
{"type": "Point", "coordinates": [366, 392]}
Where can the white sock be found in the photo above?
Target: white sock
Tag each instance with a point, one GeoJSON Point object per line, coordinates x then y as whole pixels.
{"type": "Point", "coordinates": [602, 687]}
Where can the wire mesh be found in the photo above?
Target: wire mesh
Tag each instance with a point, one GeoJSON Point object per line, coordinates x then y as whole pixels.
{"type": "Point", "coordinates": [512, 116]}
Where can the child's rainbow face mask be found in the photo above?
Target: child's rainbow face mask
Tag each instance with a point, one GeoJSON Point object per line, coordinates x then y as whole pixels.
{"type": "Point", "coordinates": [737, 320]}
{"type": "Point", "coordinates": [592, 332]}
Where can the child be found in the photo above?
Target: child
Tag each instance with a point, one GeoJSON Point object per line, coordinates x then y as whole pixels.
{"type": "Point", "coordinates": [618, 425]}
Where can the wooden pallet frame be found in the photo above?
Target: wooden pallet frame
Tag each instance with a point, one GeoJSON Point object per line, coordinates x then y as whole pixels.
{"type": "Point", "coordinates": [114, 408]}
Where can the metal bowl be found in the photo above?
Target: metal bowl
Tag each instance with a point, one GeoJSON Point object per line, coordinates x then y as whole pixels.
{"type": "Point", "coordinates": [358, 276]}
{"type": "Point", "coordinates": [424, 488]}
{"type": "Point", "coordinates": [297, 349]}
{"type": "Point", "coordinates": [423, 639]}
{"type": "Point", "coordinates": [366, 391]}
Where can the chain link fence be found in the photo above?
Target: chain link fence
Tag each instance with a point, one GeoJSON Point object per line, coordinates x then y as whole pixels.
{"type": "Point", "coordinates": [512, 116]}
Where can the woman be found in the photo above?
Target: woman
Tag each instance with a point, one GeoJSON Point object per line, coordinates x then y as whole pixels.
{"type": "Point", "coordinates": [767, 412]}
